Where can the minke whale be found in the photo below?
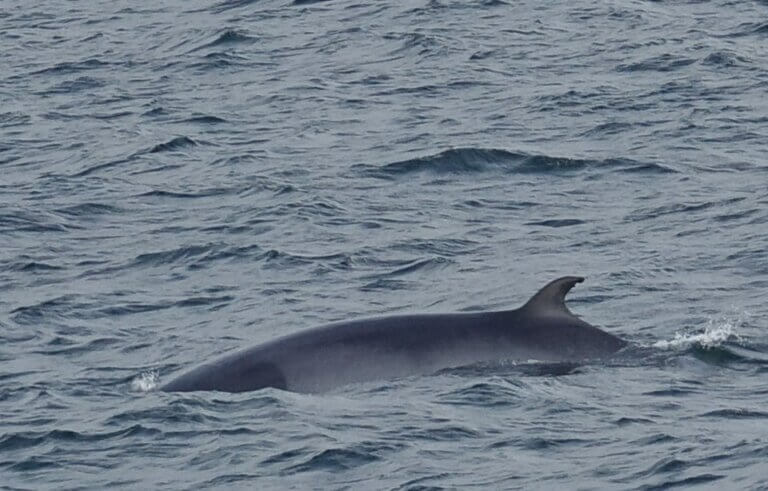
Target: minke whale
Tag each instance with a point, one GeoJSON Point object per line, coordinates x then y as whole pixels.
{"type": "Point", "coordinates": [329, 356]}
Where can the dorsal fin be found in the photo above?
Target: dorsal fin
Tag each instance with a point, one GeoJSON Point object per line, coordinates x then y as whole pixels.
{"type": "Point", "coordinates": [552, 296]}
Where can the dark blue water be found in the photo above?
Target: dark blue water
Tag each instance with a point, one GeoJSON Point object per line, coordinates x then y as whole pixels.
{"type": "Point", "coordinates": [184, 180]}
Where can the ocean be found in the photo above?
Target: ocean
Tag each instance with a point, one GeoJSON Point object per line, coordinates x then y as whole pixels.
{"type": "Point", "coordinates": [183, 179]}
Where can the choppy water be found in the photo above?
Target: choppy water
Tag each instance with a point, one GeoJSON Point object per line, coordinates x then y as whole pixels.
{"type": "Point", "coordinates": [183, 180]}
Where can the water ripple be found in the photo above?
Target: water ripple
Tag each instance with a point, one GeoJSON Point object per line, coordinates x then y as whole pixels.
{"type": "Point", "coordinates": [183, 180]}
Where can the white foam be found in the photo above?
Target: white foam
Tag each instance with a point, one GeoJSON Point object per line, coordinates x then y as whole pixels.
{"type": "Point", "coordinates": [146, 381]}
{"type": "Point", "coordinates": [715, 333]}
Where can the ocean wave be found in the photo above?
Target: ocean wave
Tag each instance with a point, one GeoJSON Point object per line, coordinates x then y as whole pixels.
{"type": "Point", "coordinates": [228, 37]}
{"type": "Point", "coordinates": [471, 160]}
{"type": "Point", "coordinates": [661, 63]}
{"type": "Point", "coordinates": [174, 145]}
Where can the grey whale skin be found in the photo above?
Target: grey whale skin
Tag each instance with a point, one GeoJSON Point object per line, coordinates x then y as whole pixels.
{"type": "Point", "coordinates": [329, 356]}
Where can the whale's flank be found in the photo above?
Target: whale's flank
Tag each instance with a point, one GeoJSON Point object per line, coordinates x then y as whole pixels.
{"type": "Point", "coordinates": [325, 357]}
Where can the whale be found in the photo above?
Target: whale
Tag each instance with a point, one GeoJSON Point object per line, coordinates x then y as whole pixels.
{"type": "Point", "coordinates": [389, 347]}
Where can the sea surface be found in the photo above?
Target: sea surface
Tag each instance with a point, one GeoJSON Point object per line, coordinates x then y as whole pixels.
{"type": "Point", "coordinates": [180, 179]}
